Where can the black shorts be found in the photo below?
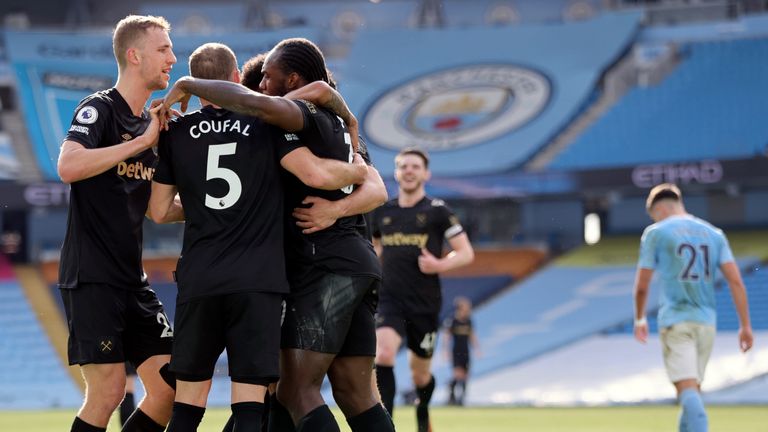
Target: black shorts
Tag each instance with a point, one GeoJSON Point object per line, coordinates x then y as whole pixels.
{"type": "Point", "coordinates": [112, 325]}
{"type": "Point", "coordinates": [246, 324]}
{"type": "Point", "coordinates": [333, 314]}
{"type": "Point", "coordinates": [418, 329]}
{"type": "Point", "coordinates": [461, 360]}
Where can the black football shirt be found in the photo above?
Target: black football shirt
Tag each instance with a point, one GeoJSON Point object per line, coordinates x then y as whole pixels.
{"type": "Point", "coordinates": [226, 168]}
{"type": "Point", "coordinates": [403, 232]}
{"type": "Point", "coordinates": [342, 247]}
{"type": "Point", "coordinates": [106, 212]}
{"type": "Point", "coordinates": [460, 329]}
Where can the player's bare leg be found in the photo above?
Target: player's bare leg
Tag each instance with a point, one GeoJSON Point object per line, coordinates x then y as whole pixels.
{"type": "Point", "coordinates": [189, 407]}
{"type": "Point", "coordinates": [302, 374]}
{"type": "Point", "coordinates": [104, 389]}
{"type": "Point", "coordinates": [351, 382]}
{"type": "Point", "coordinates": [154, 410]}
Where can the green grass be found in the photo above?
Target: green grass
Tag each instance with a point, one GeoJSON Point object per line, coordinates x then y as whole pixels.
{"type": "Point", "coordinates": [445, 419]}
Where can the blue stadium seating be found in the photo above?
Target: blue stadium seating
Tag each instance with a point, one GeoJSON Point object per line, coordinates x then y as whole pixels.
{"type": "Point", "coordinates": [477, 289]}
{"type": "Point", "coordinates": [31, 373]}
{"type": "Point", "coordinates": [711, 106]}
{"type": "Point", "coordinates": [756, 281]}
{"type": "Point", "coordinates": [757, 293]}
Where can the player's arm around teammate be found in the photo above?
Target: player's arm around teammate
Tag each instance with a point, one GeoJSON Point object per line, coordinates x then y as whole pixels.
{"type": "Point", "coordinates": [279, 111]}
{"type": "Point", "coordinates": [319, 213]}
{"type": "Point", "coordinates": [313, 171]}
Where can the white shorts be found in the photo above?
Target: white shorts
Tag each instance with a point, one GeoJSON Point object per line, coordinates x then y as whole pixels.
{"type": "Point", "coordinates": [686, 347]}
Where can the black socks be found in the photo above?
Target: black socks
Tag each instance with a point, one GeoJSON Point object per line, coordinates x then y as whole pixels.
{"type": "Point", "coordinates": [185, 417]}
{"type": "Point", "coordinates": [385, 377]}
{"type": "Point", "coordinates": [422, 409]}
{"type": "Point", "coordinates": [320, 419]}
{"type": "Point", "coordinates": [80, 426]}
{"type": "Point", "coordinates": [376, 419]}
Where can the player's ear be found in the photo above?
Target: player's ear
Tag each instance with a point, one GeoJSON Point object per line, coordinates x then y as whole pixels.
{"type": "Point", "coordinates": [132, 55]}
{"type": "Point", "coordinates": [235, 76]}
{"type": "Point", "coordinates": [427, 175]}
{"type": "Point", "coordinates": [293, 81]}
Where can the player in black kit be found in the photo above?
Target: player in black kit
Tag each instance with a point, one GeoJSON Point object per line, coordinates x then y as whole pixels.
{"type": "Point", "coordinates": [226, 168]}
{"type": "Point", "coordinates": [106, 157]}
{"type": "Point", "coordinates": [410, 231]}
{"type": "Point", "coordinates": [460, 334]}
{"type": "Point", "coordinates": [333, 274]}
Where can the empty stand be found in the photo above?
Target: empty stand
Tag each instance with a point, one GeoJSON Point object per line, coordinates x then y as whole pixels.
{"type": "Point", "coordinates": [710, 107]}
{"type": "Point", "coordinates": [31, 373]}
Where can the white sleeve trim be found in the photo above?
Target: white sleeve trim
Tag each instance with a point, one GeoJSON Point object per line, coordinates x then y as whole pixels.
{"type": "Point", "coordinates": [454, 231]}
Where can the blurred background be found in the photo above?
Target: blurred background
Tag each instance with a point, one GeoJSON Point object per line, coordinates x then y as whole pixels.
{"type": "Point", "coordinates": [547, 123]}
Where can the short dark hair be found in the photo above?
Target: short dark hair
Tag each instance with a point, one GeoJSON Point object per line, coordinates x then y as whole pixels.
{"type": "Point", "coordinates": [251, 75]}
{"type": "Point", "coordinates": [663, 191]}
{"type": "Point", "coordinates": [303, 57]}
{"type": "Point", "coordinates": [414, 151]}
{"type": "Point", "coordinates": [212, 61]}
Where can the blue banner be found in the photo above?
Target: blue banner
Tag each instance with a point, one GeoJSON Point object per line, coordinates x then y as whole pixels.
{"type": "Point", "coordinates": [480, 100]}
{"type": "Point", "coordinates": [55, 70]}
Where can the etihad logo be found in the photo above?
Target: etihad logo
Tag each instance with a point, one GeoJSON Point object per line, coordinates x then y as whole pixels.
{"type": "Point", "coordinates": [457, 107]}
{"type": "Point", "coordinates": [136, 170]}
{"type": "Point", "coordinates": [401, 239]}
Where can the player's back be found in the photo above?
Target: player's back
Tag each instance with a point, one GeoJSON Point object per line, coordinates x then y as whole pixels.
{"type": "Point", "coordinates": [688, 251]}
{"type": "Point", "coordinates": [226, 168]}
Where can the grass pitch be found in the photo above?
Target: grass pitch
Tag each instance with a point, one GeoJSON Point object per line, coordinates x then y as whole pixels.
{"type": "Point", "coordinates": [450, 419]}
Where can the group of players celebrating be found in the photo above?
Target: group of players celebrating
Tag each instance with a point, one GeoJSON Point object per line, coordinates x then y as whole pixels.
{"type": "Point", "coordinates": [278, 265]}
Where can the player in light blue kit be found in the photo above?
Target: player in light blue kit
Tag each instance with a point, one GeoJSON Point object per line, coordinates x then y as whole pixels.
{"type": "Point", "coordinates": [686, 251]}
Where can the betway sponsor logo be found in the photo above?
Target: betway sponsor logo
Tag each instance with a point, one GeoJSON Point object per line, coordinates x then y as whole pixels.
{"type": "Point", "coordinates": [136, 170]}
{"type": "Point", "coordinates": [401, 239]}
{"type": "Point", "coordinates": [703, 172]}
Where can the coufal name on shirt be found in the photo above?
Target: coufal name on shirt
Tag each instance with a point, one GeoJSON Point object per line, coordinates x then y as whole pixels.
{"type": "Point", "coordinates": [218, 126]}
{"type": "Point", "coordinates": [136, 170]}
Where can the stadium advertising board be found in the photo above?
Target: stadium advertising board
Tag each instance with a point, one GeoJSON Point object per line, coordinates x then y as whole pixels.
{"type": "Point", "coordinates": [480, 100]}
{"type": "Point", "coordinates": [707, 173]}
{"type": "Point", "coordinates": [701, 174]}
{"type": "Point", "coordinates": [55, 70]}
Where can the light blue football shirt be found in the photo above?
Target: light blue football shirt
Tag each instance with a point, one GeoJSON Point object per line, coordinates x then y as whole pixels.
{"type": "Point", "coordinates": [684, 252]}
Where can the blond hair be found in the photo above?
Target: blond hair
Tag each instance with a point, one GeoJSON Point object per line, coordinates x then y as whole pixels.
{"type": "Point", "coordinates": [129, 31]}
{"type": "Point", "coordinates": [664, 191]}
{"type": "Point", "coordinates": [212, 61]}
